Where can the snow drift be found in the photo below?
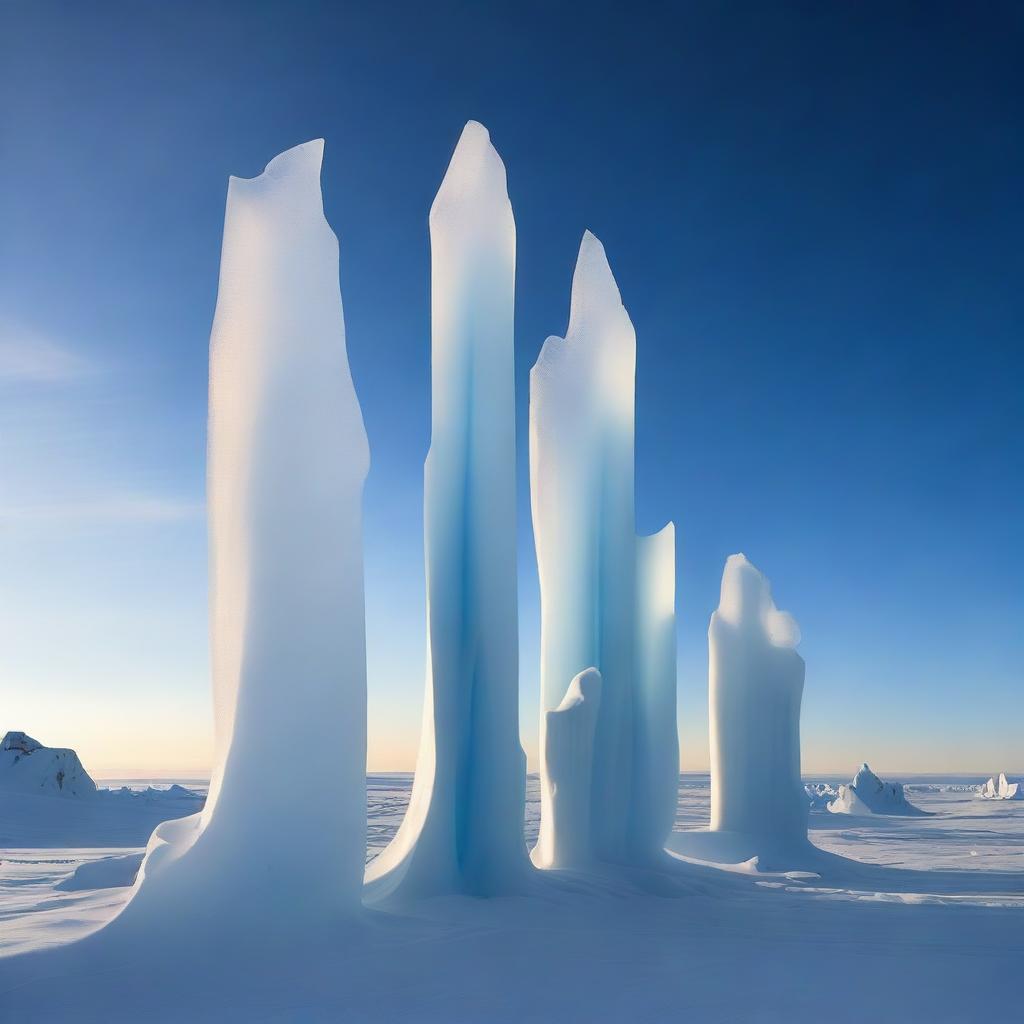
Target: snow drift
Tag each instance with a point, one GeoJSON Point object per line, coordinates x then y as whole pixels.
{"type": "Point", "coordinates": [104, 873]}
{"type": "Point", "coordinates": [868, 794]}
{"type": "Point", "coordinates": [1004, 789]}
{"type": "Point", "coordinates": [26, 766]}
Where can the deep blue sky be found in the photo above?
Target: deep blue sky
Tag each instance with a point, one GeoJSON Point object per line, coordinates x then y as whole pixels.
{"type": "Point", "coordinates": [814, 215]}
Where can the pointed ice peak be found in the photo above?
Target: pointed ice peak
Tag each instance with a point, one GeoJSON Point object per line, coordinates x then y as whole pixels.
{"type": "Point", "coordinates": [595, 294]}
{"type": "Point", "coordinates": [475, 172]}
{"type": "Point", "coordinates": [598, 351]}
{"type": "Point", "coordinates": [746, 601]}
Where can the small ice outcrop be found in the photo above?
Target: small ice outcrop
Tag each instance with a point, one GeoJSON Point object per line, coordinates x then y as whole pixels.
{"type": "Point", "coordinates": [820, 795]}
{"type": "Point", "coordinates": [26, 766]}
{"type": "Point", "coordinates": [756, 682]}
{"type": "Point", "coordinates": [868, 794]}
{"type": "Point", "coordinates": [463, 831]}
{"type": "Point", "coordinates": [169, 796]}
{"type": "Point", "coordinates": [1003, 789]}
{"type": "Point", "coordinates": [287, 460]}
{"type": "Point", "coordinates": [607, 596]}
{"type": "Point", "coordinates": [568, 759]}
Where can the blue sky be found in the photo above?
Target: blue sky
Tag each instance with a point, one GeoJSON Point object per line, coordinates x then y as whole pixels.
{"type": "Point", "coordinates": [813, 212]}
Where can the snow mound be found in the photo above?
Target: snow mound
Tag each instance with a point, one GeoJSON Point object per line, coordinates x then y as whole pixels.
{"type": "Point", "coordinates": [105, 873]}
{"type": "Point", "coordinates": [26, 766]}
{"type": "Point", "coordinates": [1003, 789]}
{"type": "Point", "coordinates": [868, 794]}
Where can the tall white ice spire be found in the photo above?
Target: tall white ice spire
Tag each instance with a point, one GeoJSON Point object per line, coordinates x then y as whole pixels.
{"type": "Point", "coordinates": [463, 829]}
{"type": "Point", "coordinates": [607, 598]}
{"type": "Point", "coordinates": [287, 460]}
{"type": "Point", "coordinates": [755, 685]}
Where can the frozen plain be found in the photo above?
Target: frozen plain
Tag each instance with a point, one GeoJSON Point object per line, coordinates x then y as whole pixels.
{"type": "Point", "coordinates": [896, 919]}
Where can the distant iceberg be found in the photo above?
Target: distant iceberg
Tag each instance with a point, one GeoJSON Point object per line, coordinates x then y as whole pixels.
{"type": "Point", "coordinates": [48, 799]}
{"type": "Point", "coordinates": [1001, 789]}
{"type": "Point", "coordinates": [868, 794]}
{"type": "Point", "coordinates": [26, 766]}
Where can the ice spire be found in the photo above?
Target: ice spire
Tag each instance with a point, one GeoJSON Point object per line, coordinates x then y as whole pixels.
{"type": "Point", "coordinates": [463, 829]}
{"type": "Point", "coordinates": [756, 681]}
{"type": "Point", "coordinates": [607, 598]}
{"type": "Point", "coordinates": [287, 461]}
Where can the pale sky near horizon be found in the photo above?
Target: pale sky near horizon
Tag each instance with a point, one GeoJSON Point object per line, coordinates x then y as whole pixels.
{"type": "Point", "coordinates": [813, 214]}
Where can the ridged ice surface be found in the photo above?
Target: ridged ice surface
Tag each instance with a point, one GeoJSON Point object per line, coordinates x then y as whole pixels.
{"type": "Point", "coordinates": [463, 829]}
{"type": "Point", "coordinates": [287, 460]}
{"type": "Point", "coordinates": [756, 684]}
{"type": "Point", "coordinates": [607, 597]}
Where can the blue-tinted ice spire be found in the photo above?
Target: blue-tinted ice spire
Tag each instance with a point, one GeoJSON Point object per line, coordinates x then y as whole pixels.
{"type": "Point", "coordinates": [282, 836]}
{"type": "Point", "coordinates": [463, 829]}
{"type": "Point", "coordinates": [607, 597]}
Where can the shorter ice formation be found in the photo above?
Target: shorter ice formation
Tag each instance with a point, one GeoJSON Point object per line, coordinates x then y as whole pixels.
{"type": "Point", "coordinates": [868, 794]}
{"type": "Point", "coordinates": [755, 681]}
{"type": "Point", "coordinates": [1003, 789]}
{"type": "Point", "coordinates": [26, 766]}
{"type": "Point", "coordinates": [568, 759]}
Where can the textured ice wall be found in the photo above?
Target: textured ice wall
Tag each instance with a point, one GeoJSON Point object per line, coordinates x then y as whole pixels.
{"type": "Point", "coordinates": [283, 831]}
{"type": "Point", "coordinates": [756, 683]}
{"type": "Point", "coordinates": [568, 768]}
{"type": "Point", "coordinates": [463, 831]}
{"type": "Point", "coordinates": [607, 598]}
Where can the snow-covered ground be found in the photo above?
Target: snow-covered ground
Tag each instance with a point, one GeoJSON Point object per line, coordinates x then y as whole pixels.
{"type": "Point", "coordinates": [896, 919]}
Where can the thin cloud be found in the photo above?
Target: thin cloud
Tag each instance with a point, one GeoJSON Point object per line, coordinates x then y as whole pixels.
{"type": "Point", "coordinates": [27, 356]}
{"type": "Point", "coordinates": [121, 509]}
